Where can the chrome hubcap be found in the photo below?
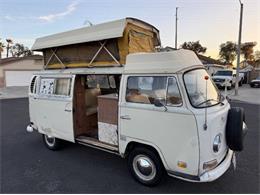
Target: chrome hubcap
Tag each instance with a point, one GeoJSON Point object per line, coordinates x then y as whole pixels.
{"type": "Point", "coordinates": [144, 167]}
{"type": "Point", "coordinates": [50, 140]}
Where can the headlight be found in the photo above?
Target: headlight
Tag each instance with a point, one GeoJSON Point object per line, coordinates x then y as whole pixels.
{"type": "Point", "coordinates": [217, 143]}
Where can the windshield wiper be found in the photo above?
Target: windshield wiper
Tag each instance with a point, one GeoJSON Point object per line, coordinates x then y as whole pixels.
{"type": "Point", "coordinates": [209, 101]}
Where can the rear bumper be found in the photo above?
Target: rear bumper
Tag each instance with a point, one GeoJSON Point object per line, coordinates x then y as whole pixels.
{"type": "Point", "coordinates": [31, 127]}
{"type": "Point", "coordinates": [209, 175]}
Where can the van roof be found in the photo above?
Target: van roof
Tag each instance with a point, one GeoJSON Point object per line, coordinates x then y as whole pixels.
{"type": "Point", "coordinates": [107, 30]}
{"type": "Point", "coordinates": [158, 62]}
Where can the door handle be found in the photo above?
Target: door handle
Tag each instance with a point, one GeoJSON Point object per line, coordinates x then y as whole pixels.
{"type": "Point", "coordinates": [66, 110]}
{"type": "Point", "coordinates": [126, 117]}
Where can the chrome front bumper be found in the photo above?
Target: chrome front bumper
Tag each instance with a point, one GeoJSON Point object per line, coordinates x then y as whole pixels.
{"type": "Point", "coordinates": [219, 170]}
{"type": "Point", "coordinates": [209, 175]}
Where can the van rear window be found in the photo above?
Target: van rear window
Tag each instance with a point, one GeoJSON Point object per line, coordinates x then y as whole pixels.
{"type": "Point", "coordinates": [101, 81]}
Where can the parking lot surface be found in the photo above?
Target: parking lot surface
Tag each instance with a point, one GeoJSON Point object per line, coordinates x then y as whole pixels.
{"type": "Point", "coordinates": [28, 167]}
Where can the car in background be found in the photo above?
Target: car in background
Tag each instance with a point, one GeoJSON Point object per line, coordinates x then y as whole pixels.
{"type": "Point", "coordinates": [227, 78]}
{"type": "Point", "coordinates": [255, 82]}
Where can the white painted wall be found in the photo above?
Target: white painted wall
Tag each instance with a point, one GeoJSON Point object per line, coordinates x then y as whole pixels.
{"type": "Point", "coordinates": [18, 78]}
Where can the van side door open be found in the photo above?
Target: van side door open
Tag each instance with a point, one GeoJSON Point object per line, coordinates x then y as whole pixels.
{"type": "Point", "coordinates": [54, 107]}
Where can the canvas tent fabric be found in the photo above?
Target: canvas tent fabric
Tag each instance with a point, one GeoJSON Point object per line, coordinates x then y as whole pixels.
{"type": "Point", "coordinates": [105, 44]}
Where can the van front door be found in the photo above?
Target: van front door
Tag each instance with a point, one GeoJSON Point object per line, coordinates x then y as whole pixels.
{"type": "Point", "coordinates": [152, 112]}
{"type": "Point", "coordinates": [53, 106]}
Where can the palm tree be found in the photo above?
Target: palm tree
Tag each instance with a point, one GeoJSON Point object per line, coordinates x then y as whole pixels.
{"type": "Point", "coordinates": [2, 46]}
{"type": "Point", "coordinates": [9, 42]}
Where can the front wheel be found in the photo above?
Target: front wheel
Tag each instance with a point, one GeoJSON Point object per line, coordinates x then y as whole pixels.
{"type": "Point", "coordinates": [51, 143]}
{"type": "Point", "coordinates": [145, 165]}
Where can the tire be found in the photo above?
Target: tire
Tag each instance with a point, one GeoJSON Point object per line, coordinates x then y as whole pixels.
{"type": "Point", "coordinates": [152, 171]}
{"type": "Point", "coordinates": [234, 129]}
{"type": "Point", "coordinates": [52, 143]}
{"type": "Point", "coordinates": [240, 83]}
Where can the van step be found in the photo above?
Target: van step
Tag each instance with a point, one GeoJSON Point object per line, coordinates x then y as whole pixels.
{"type": "Point", "coordinates": [94, 142]}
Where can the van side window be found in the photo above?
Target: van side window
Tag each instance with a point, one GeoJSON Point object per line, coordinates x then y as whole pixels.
{"type": "Point", "coordinates": [173, 93]}
{"type": "Point", "coordinates": [59, 86]}
{"type": "Point", "coordinates": [112, 81]}
{"type": "Point", "coordinates": [62, 86]}
{"type": "Point", "coordinates": [47, 86]}
{"type": "Point", "coordinates": [98, 81]}
{"type": "Point", "coordinates": [145, 89]}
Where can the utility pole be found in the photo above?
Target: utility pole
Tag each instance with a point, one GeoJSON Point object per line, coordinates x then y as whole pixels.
{"type": "Point", "coordinates": [176, 27]}
{"type": "Point", "coordinates": [239, 47]}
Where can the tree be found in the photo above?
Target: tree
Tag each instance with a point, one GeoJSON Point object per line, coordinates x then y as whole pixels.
{"type": "Point", "coordinates": [19, 50]}
{"type": "Point", "coordinates": [194, 46]}
{"type": "Point", "coordinates": [257, 55]}
{"type": "Point", "coordinates": [2, 46]}
{"type": "Point", "coordinates": [227, 52]}
{"type": "Point", "coordinates": [247, 49]}
{"type": "Point", "coordinates": [9, 42]}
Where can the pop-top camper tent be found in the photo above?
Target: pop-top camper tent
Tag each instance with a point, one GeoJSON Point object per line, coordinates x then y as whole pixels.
{"type": "Point", "coordinates": [105, 44]}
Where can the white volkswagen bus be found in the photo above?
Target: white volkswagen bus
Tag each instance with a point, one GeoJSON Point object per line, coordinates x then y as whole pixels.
{"type": "Point", "coordinates": [161, 111]}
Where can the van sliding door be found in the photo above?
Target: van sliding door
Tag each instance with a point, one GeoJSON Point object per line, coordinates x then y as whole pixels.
{"type": "Point", "coordinates": [55, 106]}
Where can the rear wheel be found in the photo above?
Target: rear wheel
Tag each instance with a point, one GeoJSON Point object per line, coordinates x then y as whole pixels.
{"type": "Point", "coordinates": [51, 143]}
{"type": "Point", "coordinates": [240, 83]}
{"type": "Point", "coordinates": [145, 165]}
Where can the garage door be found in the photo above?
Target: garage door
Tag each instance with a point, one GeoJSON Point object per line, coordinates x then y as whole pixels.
{"type": "Point", "coordinates": [17, 78]}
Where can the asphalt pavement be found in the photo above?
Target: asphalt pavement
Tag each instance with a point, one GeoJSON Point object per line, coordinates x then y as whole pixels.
{"type": "Point", "coordinates": [28, 167]}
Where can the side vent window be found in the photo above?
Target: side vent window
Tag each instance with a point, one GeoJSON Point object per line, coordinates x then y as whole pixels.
{"type": "Point", "coordinates": [32, 84]}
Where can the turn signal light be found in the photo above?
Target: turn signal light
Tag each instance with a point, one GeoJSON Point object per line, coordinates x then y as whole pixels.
{"type": "Point", "coordinates": [182, 164]}
{"type": "Point", "coordinates": [210, 165]}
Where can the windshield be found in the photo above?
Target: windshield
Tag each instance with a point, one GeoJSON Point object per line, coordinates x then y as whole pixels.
{"type": "Point", "coordinates": [196, 88]}
{"type": "Point", "coordinates": [224, 73]}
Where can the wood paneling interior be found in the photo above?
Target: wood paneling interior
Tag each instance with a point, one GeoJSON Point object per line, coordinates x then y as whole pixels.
{"type": "Point", "coordinates": [83, 124]}
{"type": "Point", "coordinates": [108, 109]}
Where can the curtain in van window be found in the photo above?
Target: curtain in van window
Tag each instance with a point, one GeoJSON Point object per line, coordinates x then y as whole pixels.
{"type": "Point", "coordinates": [62, 87]}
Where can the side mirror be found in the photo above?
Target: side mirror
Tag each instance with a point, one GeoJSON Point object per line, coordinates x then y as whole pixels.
{"type": "Point", "coordinates": [158, 102]}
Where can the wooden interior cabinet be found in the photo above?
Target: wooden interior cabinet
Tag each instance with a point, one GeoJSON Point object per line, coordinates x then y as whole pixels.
{"type": "Point", "coordinates": [107, 119]}
{"type": "Point", "coordinates": [108, 108]}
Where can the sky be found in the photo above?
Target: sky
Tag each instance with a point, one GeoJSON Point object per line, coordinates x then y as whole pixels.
{"type": "Point", "coordinates": [212, 22]}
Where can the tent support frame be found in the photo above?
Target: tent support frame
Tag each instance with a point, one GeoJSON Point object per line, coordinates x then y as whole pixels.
{"type": "Point", "coordinates": [102, 46]}
{"type": "Point", "coordinates": [54, 54]}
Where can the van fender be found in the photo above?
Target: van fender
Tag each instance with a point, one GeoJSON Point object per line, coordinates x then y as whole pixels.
{"type": "Point", "coordinates": [126, 146]}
